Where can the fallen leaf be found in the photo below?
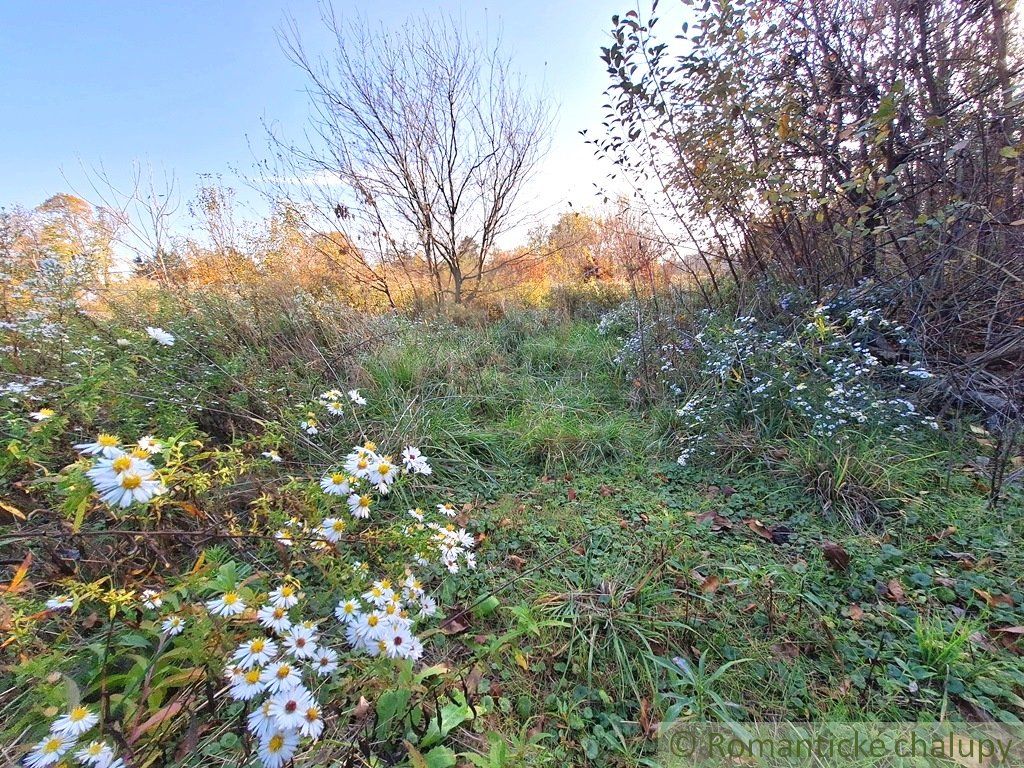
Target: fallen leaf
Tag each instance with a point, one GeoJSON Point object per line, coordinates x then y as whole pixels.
{"type": "Point", "coordinates": [718, 523]}
{"type": "Point", "coordinates": [16, 513]}
{"type": "Point", "coordinates": [836, 556]}
{"type": "Point", "coordinates": [993, 601]}
{"type": "Point", "coordinates": [949, 530]}
{"type": "Point", "coordinates": [19, 576]}
{"type": "Point", "coordinates": [896, 591]}
{"type": "Point", "coordinates": [164, 713]}
{"type": "Point", "coordinates": [787, 650]}
{"type": "Point", "coordinates": [571, 494]}
{"type": "Point", "coordinates": [759, 528]}
{"type": "Point", "coordinates": [855, 611]}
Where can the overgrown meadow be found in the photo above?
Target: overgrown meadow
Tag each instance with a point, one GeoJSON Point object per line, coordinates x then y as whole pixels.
{"type": "Point", "coordinates": [287, 532]}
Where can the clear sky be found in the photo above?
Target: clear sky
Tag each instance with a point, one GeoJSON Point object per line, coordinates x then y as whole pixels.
{"type": "Point", "coordinates": [182, 85]}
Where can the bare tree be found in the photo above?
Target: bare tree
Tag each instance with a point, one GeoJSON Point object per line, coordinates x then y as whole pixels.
{"type": "Point", "coordinates": [424, 137]}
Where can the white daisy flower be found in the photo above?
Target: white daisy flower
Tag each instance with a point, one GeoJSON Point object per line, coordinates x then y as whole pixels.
{"type": "Point", "coordinates": [285, 596]}
{"type": "Point", "coordinates": [255, 652]}
{"type": "Point", "coordinates": [43, 414]}
{"type": "Point", "coordinates": [336, 484]}
{"type": "Point", "coordinates": [274, 456]}
{"type": "Point", "coordinates": [97, 753]}
{"type": "Point", "coordinates": [228, 604]}
{"type": "Point", "coordinates": [76, 722]}
{"type": "Point", "coordinates": [417, 514]}
{"type": "Point", "coordinates": [274, 617]}
{"type": "Point", "coordinates": [312, 721]}
{"type": "Point", "coordinates": [447, 510]}
{"type": "Point", "coordinates": [152, 599]}
{"type": "Point", "coordinates": [278, 747]}
{"type": "Point", "coordinates": [335, 408]}
{"type": "Point", "coordinates": [359, 505]}
{"type": "Point", "coordinates": [150, 445]}
{"type": "Point", "coordinates": [347, 610]}
{"type": "Point", "coordinates": [332, 529]}
{"type": "Point", "coordinates": [173, 625]}
{"type": "Point", "coordinates": [325, 661]}
{"type": "Point", "coordinates": [60, 603]}
{"type": "Point", "coordinates": [247, 684]}
{"type": "Point", "coordinates": [300, 642]}
{"type": "Point", "coordinates": [259, 722]}
{"type": "Point", "coordinates": [355, 397]}
{"type": "Point", "coordinates": [160, 336]}
{"type": "Point", "coordinates": [280, 676]}
{"type": "Point", "coordinates": [132, 487]}
{"type": "Point", "coordinates": [49, 750]}
{"type": "Point", "coordinates": [105, 445]}
{"type": "Point", "coordinates": [287, 707]}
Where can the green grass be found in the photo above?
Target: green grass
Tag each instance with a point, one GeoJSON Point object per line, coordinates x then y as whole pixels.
{"type": "Point", "coordinates": [630, 589]}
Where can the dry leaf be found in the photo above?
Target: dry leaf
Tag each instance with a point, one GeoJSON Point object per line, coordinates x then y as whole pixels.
{"type": "Point", "coordinates": [896, 591]}
{"type": "Point", "coordinates": [836, 556]}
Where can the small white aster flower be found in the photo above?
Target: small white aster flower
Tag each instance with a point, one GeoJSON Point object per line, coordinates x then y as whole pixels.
{"type": "Point", "coordinates": [160, 336]}
{"type": "Point", "coordinates": [274, 456]}
{"type": "Point", "coordinates": [105, 445]}
{"type": "Point", "coordinates": [278, 747]}
{"type": "Point", "coordinates": [347, 610]}
{"type": "Point", "coordinates": [274, 617]}
{"type": "Point", "coordinates": [152, 599]}
{"type": "Point", "coordinates": [60, 603]}
{"type": "Point", "coordinates": [359, 505]}
{"type": "Point", "coordinates": [228, 604]}
{"type": "Point", "coordinates": [325, 661]}
{"type": "Point", "coordinates": [280, 676]}
{"type": "Point", "coordinates": [173, 625]}
{"type": "Point", "coordinates": [49, 750]}
{"type": "Point", "coordinates": [255, 652]}
{"type": "Point", "coordinates": [97, 753]}
{"type": "Point", "coordinates": [150, 445]}
{"type": "Point", "coordinates": [285, 596]}
{"type": "Point", "coordinates": [355, 397]}
{"type": "Point", "coordinates": [43, 414]}
{"type": "Point", "coordinates": [336, 484]}
{"type": "Point", "coordinates": [76, 722]}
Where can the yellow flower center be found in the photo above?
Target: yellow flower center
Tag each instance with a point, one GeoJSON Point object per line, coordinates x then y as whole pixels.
{"type": "Point", "coordinates": [130, 481]}
{"type": "Point", "coordinates": [370, 445]}
{"type": "Point", "coordinates": [372, 621]}
{"type": "Point", "coordinates": [257, 646]}
{"type": "Point", "coordinates": [252, 676]}
{"type": "Point", "coordinates": [312, 714]}
{"type": "Point", "coordinates": [384, 469]}
{"type": "Point", "coordinates": [276, 743]}
{"type": "Point", "coordinates": [363, 464]}
{"type": "Point", "coordinates": [338, 526]}
{"type": "Point", "coordinates": [53, 744]}
{"type": "Point", "coordinates": [364, 501]}
{"type": "Point", "coordinates": [283, 671]}
{"type": "Point", "coordinates": [287, 591]}
{"type": "Point", "coordinates": [230, 598]}
{"type": "Point", "coordinates": [107, 441]}
{"type": "Point", "coordinates": [279, 613]}
{"type": "Point", "coordinates": [77, 714]}
{"type": "Point", "coordinates": [337, 478]}
{"type": "Point", "coordinates": [121, 463]}
{"type": "Point", "coordinates": [140, 453]}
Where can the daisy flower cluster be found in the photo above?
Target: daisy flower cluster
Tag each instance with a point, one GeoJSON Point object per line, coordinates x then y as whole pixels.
{"type": "Point", "coordinates": [365, 469]}
{"type": "Point", "coordinates": [277, 669]}
{"type": "Point", "coordinates": [123, 474]}
{"type": "Point", "coordinates": [65, 735]}
{"type": "Point", "coordinates": [826, 375]}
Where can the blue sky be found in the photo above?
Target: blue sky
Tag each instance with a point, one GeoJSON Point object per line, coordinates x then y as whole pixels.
{"type": "Point", "coordinates": [182, 86]}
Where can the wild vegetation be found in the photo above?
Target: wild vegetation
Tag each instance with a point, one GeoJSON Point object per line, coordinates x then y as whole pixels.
{"type": "Point", "coordinates": [745, 447]}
